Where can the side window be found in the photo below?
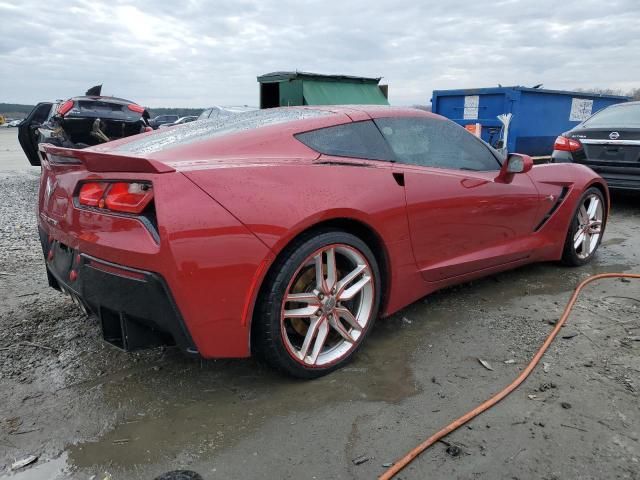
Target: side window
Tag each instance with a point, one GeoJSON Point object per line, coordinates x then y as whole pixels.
{"type": "Point", "coordinates": [431, 142]}
{"type": "Point", "coordinates": [42, 112]}
{"type": "Point", "coordinates": [357, 140]}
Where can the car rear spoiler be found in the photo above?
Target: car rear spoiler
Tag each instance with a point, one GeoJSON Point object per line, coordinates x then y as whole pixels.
{"type": "Point", "coordinates": [100, 161]}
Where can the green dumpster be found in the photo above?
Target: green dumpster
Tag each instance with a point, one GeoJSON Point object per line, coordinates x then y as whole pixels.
{"type": "Point", "coordinates": [281, 89]}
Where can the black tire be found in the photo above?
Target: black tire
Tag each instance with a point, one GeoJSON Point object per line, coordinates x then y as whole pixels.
{"type": "Point", "coordinates": [570, 255]}
{"type": "Point", "coordinates": [267, 337]}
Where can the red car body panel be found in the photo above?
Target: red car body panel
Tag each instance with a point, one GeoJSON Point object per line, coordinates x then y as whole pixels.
{"type": "Point", "coordinates": [226, 207]}
{"type": "Point", "coordinates": [209, 266]}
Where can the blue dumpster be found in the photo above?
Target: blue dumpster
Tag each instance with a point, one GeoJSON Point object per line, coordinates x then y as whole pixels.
{"type": "Point", "coordinates": [539, 115]}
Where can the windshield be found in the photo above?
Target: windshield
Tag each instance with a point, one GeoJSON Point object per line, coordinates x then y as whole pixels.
{"type": "Point", "coordinates": [616, 116]}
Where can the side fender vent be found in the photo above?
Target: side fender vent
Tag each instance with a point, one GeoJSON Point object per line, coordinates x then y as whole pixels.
{"type": "Point", "coordinates": [556, 205]}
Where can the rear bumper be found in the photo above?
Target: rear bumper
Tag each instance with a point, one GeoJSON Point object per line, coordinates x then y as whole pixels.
{"type": "Point", "coordinates": [135, 307]}
{"type": "Point", "coordinates": [618, 177]}
{"type": "Point", "coordinates": [560, 156]}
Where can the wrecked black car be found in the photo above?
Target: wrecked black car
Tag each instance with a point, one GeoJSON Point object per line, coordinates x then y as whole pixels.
{"type": "Point", "coordinates": [81, 122]}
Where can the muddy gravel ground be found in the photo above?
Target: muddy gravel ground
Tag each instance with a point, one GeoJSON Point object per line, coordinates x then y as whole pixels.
{"type": "Point", "coordinates": [89, 411]}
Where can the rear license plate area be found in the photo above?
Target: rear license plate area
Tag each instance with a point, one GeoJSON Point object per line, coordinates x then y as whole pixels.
{"type": "Point", "coordinates": [614, 153]}
{"type": "Point", "coordinates": [606, 152]}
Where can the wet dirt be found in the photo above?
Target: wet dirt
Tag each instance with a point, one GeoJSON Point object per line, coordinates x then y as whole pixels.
{"type": "Point", "coordinates": [85, 408]}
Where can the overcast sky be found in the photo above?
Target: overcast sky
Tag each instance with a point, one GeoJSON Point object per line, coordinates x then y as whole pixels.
{"type": "Point", "coordinates": [196, 53]}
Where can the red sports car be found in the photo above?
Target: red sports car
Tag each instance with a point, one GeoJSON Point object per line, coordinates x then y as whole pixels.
{"type": "Point", "coordinates": [285, 232]}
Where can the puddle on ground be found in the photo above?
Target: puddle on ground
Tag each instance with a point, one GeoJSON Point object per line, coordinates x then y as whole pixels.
{"type": "Point", "coordinates": [204, 407]}
{"type": "Point", "coordinates": [183, 405]}
{"type": "Point", "coordinates": [613, 241]}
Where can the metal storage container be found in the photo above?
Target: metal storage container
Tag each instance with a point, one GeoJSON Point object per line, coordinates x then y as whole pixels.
{"type": "Point", "coordinates": [539, 115]}
{"type": "Point", "coordinates": [282, 89]}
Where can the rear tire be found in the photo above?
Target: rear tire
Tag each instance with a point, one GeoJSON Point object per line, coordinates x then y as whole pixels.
{"type": "Point", "coordinates": [325, 317]}
{"type": "Point", "coordinates": [586, 229]}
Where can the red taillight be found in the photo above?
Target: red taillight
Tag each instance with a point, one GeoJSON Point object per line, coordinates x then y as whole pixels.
{"type": "Point", "coordinates": [567, 144]}
{"type": "Point", "coordinates": [64, 108]}
{"type": "Point", "coordinates": [135, 108]}
{"type": "Point", "coordinates": [127, 197]}
{"type": "Point", "coordinates": [91, 194]}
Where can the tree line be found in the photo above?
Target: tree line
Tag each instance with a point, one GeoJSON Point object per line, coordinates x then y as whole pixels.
{"type": "Point", "coordinates": [633, 94]}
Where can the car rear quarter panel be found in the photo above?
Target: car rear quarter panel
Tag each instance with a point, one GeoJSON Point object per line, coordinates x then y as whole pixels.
{"type": "Point", "coordinates": [206, 256]}
{"type": "Point", "coordinates": [278, 202]}
{"type": "Point", "coordinates": [214, 260]}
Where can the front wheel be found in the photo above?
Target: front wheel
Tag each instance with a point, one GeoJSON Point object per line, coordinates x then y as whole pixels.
{"type": "Point", "coordinates": [318, 304]}
{"type": "Point", "coordinates": [585, 231]}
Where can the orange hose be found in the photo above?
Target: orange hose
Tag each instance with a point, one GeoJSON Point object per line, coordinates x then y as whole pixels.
{"type": "Point", "coordinates": [409, 457]}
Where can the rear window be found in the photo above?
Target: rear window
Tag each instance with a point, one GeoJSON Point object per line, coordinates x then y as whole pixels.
{"type": "Point", "coordinates": [201, 130]}
{"type": "Point", "coordinates": [358, 140]}
{"type": "Point", "coordinates": [97, 106]}
{"type": "Point", "coordinates": [617, 116]}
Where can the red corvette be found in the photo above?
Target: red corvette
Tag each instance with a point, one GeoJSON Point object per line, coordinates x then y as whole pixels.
{"type": "Point", "coordinates": [286, 232]}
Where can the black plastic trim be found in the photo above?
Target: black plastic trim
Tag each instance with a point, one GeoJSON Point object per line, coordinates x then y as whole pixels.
{"type": "Point", "coordinates": [135, 311]}
{"type": "Point", "coordinates": [556, 205]}
{"type": "Point", "coordinates": [399, 178]}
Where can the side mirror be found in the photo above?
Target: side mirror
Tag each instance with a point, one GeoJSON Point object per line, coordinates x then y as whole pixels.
{"type": "Point", "coordinates": [515, 163]}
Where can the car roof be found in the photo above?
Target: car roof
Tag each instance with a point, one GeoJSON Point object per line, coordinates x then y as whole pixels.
{"type": "Point", "coordinates": [120, 101]}
{"type": "Point", "coordinates": [375, 111]}
{"type": "Point", "coordinates": [258, 123]}
{"type": "Point", "coordinates": [389, 109]}
{"type": "Point", "coordinates": [232, 108]}
{"type": "Point", "coordinates": [625, 104]}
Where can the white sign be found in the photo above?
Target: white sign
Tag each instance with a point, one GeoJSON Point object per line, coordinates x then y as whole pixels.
{"type": "Point", "coordinates": [471, 105]}
{"type": "Point", "coordinates": [580, 109]}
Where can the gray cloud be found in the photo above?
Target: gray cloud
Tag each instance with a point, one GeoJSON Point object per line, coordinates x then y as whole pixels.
{"type": "Point", "coordinates": [197, 53]}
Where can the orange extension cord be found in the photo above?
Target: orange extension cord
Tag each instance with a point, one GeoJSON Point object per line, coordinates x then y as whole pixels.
{"type": "Point", "coordinates": [409, 457]}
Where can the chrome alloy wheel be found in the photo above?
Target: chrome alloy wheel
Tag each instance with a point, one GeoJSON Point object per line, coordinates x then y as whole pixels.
{"type": "Point", "coordinates": [589, 218]}
{"type": "Point", "coordinates": [327, 306]}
